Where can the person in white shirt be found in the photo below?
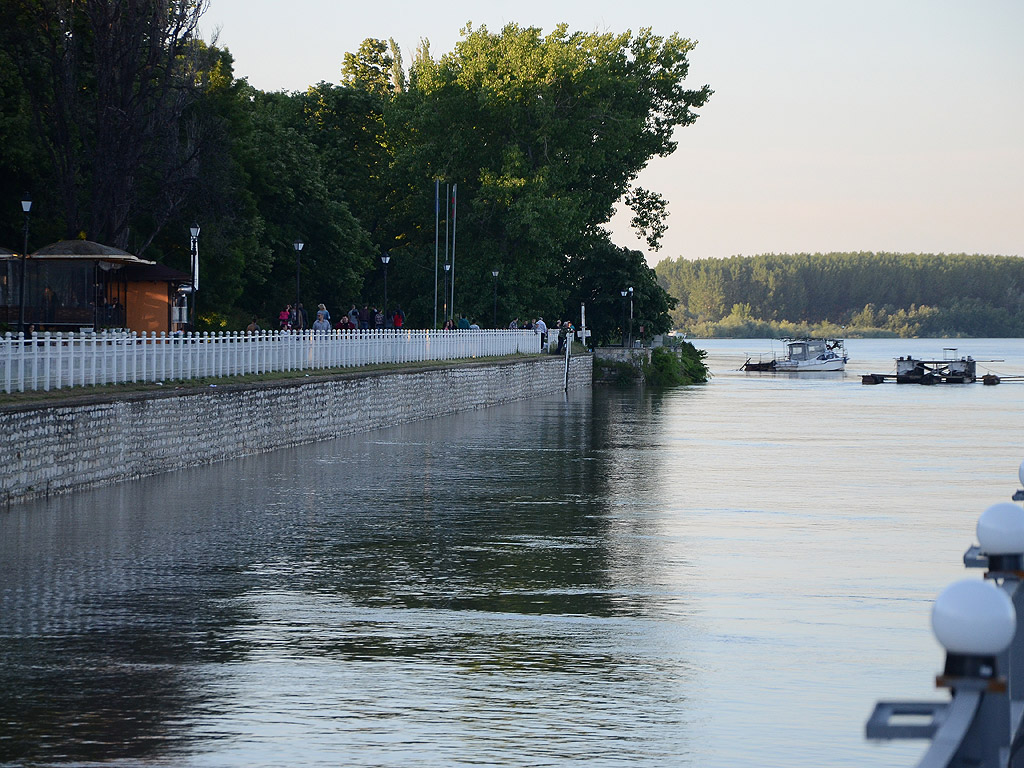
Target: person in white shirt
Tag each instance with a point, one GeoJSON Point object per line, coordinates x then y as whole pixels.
{"type": "Point", "coordinates": [541, 327]}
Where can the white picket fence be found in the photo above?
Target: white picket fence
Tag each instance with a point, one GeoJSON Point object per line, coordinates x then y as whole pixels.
{"type": "Point", "coordinates": [53, 361]}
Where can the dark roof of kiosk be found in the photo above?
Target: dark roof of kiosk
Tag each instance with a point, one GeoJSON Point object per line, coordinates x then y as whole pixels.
{"type": "Point", "coordinates": [86, 249]}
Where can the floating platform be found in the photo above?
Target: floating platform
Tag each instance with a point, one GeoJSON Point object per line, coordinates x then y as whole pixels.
{"type": "Point", "coordinates": [950, 370]}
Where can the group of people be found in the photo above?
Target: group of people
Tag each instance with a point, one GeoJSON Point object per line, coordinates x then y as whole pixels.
{"type": "Point", "coordinates": [295, 318]}
{"type": "Point", "coordinates": [563, 328]}
{"type": "Point", "coordinates": [463, 324]}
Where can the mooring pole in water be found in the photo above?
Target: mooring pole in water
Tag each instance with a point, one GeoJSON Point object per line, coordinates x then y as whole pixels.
{"type": "Point", "coordinates": [982, 725]}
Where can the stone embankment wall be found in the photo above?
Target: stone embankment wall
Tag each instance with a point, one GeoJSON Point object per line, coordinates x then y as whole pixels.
{"type": "Point", "coordinates": [107, 439]}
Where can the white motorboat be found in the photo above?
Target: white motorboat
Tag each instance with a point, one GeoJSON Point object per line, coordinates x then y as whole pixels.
{"type": "Point", "coordinates": [805, 355]}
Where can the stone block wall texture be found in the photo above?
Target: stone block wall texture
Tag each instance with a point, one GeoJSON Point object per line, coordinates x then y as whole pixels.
{"type": "Point", "coordinates": [634, 355]}
{"type": "Point", "coordinates": [60, 448]}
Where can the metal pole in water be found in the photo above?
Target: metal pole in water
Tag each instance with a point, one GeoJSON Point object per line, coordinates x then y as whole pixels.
{"type": "Point", "coordinates": [568, 355]}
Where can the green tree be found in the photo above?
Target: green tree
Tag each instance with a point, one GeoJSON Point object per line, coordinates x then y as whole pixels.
{"type": "Point", "coordinates": [23, 162]}
{"type": "Point", "coordinates": [596, 277]}
{"type": "Point", "coordinates": [543, 134]}
{"type": "Point", "coordinates": [649, 213]}
{"type": "Point", "coordinates": [108, 83]}
{"type": "Point", "coordinates": [233, 253]}
{"type": "Point", "coordinates": [372, 68]}
{"type": "Point", "coordinates": [286, 174]}
{"type": "Point", "coordinates": [130, 128]}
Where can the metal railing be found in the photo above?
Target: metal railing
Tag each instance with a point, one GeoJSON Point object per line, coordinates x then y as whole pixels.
{"type": "Point", "coordinates": [57, 360]}
{"type": "Point", "coordinates": [979, 623]}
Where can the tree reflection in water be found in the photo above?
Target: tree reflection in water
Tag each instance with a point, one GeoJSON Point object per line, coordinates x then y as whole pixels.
{"type": "Point", "coordinates": [126, 609]}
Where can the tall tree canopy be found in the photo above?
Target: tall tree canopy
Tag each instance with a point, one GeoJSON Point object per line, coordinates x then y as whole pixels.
{"type": "Point", "coordinates": [128, 127]}
{"type": "Point", "coordinates": [110, 85]}
{"type": "Point", "coordinates": [543, 134]}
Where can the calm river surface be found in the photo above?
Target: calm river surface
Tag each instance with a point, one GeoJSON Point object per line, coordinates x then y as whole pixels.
{"type": "Point", "coordinates": [720, 575]}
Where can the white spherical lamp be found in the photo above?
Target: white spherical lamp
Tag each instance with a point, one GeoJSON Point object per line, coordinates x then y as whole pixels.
{"type": "Point", "coordinates": [1001, 529]}
{"type": "Point", "coordinates": [1020, 472]}
{"type": "Point", "coordinates": [974, 618]}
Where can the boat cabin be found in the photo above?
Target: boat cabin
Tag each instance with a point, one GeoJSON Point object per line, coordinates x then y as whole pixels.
{"type": "Point", "coordinates": [805, 349]}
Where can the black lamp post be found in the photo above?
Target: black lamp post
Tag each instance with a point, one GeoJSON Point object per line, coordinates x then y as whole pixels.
{"type": "Point", "coordinates": [494, 274]}
{"type": "Point", "coordinates": [384, 259]}
{"type": "Point", "coordinates": [624, 294]}
{"type": "Point", "coordinates": [297, 245]}
{"type": "Point", "coordinates": [194, 233]}
{"type": "Point", "coordinates": [447, 269]}
{"type": "Point", "coordinates": [26, 206]}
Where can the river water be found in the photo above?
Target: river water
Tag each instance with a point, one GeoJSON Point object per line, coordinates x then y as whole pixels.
{"type": "Point", "coordinates": [719, 575]}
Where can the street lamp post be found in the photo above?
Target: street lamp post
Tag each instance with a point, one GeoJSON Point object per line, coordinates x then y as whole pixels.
{"type": "Point", "coordinates": [297, 245]}
{"type": "Point", "coordinates": [623, 294]}
{"type": "Point", "coordinates": [194, 234]}
{"type": "Point", "coordinates": [494, 274]}
{"type": "Point", "coordinates": [384, 259]}
{"type": "Point", "coordinates": [26, 206]}
{"type": "Point", "coordinates": [447, 269]}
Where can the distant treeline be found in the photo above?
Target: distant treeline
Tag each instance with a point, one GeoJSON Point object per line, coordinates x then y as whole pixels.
{"type": "Point", "coordinates": [857, 294]}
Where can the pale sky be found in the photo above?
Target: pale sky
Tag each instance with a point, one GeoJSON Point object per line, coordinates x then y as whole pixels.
{"type": "Point", "coordinates": [863, 125]}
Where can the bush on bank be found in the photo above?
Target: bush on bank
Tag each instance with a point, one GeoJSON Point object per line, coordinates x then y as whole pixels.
{"type": "Point", "coordinates": [671, 366]}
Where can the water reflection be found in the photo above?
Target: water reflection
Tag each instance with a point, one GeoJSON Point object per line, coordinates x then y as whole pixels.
{"type": "Point", "coordinates": [484, 571]}
{"type": "Point", "coordinates": [721, 575]}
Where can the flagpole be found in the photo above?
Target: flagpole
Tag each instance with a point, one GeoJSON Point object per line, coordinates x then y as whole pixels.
{"type": "Point", "coordinates": [455, 221]}
{"type": "Point", "coordinates": [447, 221]}
{"type": "Point", "coordinates": [437, 211]}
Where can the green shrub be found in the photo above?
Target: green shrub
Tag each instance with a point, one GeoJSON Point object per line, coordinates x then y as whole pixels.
{"type": "Point", "coordinates": [672, 366]}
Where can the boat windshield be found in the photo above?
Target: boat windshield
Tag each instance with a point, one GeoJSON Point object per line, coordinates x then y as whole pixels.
{"type": "Point", "coordinates": [798, 351]}
{"type": "Point", "coordinates": [806, 350]}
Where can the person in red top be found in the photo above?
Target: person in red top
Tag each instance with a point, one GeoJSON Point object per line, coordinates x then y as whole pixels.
{"type": "Point", "coordinates": [398, 320]}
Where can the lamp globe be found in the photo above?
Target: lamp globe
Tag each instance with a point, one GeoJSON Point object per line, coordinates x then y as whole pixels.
{"type": "Point", "coordinates": [1001, 529]}
{"type": "Point", "coordinates": [974, 618]}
